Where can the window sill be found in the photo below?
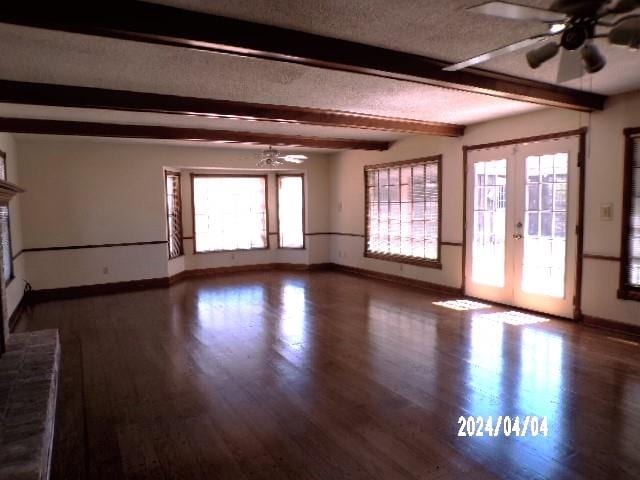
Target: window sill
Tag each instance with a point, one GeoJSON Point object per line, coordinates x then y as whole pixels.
{"type": "Point", "coordinates": [292, 248]}
{"type": "Point", "coordinates": [629, 293]}
{"type": "Point", "coordinates": [406, 260]}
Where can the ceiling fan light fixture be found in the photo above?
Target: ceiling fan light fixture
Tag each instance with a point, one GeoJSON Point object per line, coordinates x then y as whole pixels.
{"type": "Point", "coordinates": [592, 59]}
{"type": "Point", "coordinates": [538, 56]}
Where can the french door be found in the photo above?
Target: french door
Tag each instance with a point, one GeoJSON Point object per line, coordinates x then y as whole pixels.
{"type": "Point", "coordinates": [522, 211]}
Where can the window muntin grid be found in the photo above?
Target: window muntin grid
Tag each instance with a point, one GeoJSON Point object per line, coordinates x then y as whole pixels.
{"type": "Point", "coordinates": [489, 222]}
{"type": "Point", "coordinates": [545, 224]}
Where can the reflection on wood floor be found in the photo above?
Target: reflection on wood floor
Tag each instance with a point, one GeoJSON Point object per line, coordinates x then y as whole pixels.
{"type": "Point", "coordinates": [323, 375]}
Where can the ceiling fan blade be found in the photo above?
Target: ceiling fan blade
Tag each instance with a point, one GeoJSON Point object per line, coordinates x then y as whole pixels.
{"type": "Point", "coordinates": [570, 66]}
{"type": "Point", "coordinates": [626, 33]}
{"type": "Point", "coordinates": [608, 20]}
{"type": "Point", "coordinates": [293, 158]}
{"type": "Point", "coordinates": [518, 12]}
{"type": "Point", "coordinates": [579, 8]}
{"type": "Point", "coordinates": [623, 6]}
{"type": "Point", "coordinates": [498, 52]}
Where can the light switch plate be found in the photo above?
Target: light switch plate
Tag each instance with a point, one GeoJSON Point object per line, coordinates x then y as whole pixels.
{"type": "Point", "coordinates": [606, 212]}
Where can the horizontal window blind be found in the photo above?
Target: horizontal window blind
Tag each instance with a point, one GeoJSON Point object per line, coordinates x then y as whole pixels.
{"type": "Point", "coordinates": [5, 229]}
{"type": "Point", "coordinates": [403, 210]}
{"type": "Point", "coordinates": [230, 212]}
{"type": "Point", "coordinates": [5, 237]}
{"type": "Point", "coordinates": [633, 237]}
{"type": "Point", "coordinates": [174, 215]}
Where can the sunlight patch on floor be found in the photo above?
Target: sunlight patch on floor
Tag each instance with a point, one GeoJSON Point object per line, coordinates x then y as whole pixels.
{"type": "Point", "coordinates": [513, 318]}
{"type": "Point", "coordinates": [462, 305]}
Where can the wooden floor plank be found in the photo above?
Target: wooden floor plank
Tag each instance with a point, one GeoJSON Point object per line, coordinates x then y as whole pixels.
{"type": "Point", "coordinates": [139, 457]}
{"type": "Point", "coordinates": [277, 375]}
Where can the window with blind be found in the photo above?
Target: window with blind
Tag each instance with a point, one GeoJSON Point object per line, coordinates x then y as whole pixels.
{"type": "Point", "coordinates": [5, 228]}
{"type": "Point", "coordinates": [630, 267]}
{"type": "Point", "coordinates": [403, 211]}
{"type": "Point", "coordinates": [290, 211]}
{"type": "Point", "coordinates": [229, 212]}
{"type": "Point", "coordinates": [174, 214]}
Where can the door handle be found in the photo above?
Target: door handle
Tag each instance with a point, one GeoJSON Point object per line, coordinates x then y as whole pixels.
{"type": "Point", "coordinates": [518, 236]}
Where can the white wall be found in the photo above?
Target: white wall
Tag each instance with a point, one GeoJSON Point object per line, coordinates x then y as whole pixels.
{"type": "Point", "coordinates": [347, 209]}
{"type": "Point", "coordinates": [106, 191]}
{"type": "Point", "coordinates": [604, 172]}
{"type": "Point", "coordinates": [96, 192]}
{"type": "Point", "coordinates": [15, 288]}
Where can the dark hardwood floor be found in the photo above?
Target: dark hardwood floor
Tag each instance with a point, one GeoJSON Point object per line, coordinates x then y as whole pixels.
{"type": "Point", "coordinates": [277, 375]}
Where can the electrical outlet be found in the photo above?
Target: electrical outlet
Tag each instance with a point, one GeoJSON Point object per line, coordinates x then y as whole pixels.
{"type": "Point", "coordinates": [233, 256]}
{"type": "Point", "coordinates": [105, 270]}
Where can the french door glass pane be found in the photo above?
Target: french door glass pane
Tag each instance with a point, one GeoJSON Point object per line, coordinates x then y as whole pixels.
{"type": "Point", "coordinates": [489, 217]}
{"type": "Point", "coordinates": [545, 229]}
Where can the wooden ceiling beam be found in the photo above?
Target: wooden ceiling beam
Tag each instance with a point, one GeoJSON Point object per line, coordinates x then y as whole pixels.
{"type": "Point", "coordinates": [116, 130]}
{"type": "Point", "coordinates": [29, 93]}
{"type": "Point", "coordinates": [159, 24]}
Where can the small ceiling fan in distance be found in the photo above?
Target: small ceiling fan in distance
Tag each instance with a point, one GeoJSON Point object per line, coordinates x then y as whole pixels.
{"type": "Point", "coordinates": [573, 25]}
{"type": "Point", "coordinates": [272, 158]}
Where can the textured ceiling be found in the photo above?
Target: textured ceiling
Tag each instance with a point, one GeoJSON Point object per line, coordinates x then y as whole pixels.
{"type": "Point", "coordinates": [441, 29]}
{"type": "Point", "coordinates": [72, 59]}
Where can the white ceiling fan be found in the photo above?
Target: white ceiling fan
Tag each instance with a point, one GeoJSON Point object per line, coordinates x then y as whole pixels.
{"type": "Point", "coordinates": [576, 22]}
{"type": "Point", "coordinates": [272, 158]}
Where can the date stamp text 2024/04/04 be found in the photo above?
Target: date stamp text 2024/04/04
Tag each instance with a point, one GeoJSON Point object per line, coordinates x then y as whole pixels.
{"type": "Point", "coordinates": [503, 426]}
